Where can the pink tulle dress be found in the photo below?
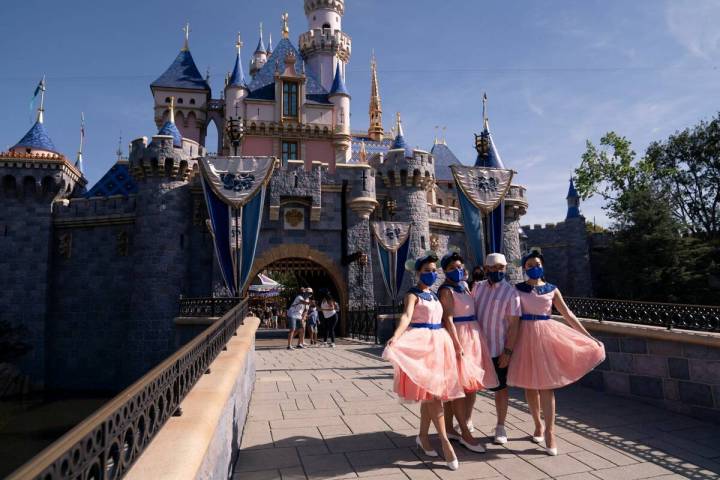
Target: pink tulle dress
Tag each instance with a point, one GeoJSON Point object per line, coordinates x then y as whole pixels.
{"type": "Point", "coordinates": [548, 354]}
{"type": "Point", "coordinates": [424, 356]}
{"type": "Point", "coordinates": [475, 367]}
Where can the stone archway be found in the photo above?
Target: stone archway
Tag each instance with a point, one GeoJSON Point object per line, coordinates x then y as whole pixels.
{"type": "Point", "coordinates": [305, 252]}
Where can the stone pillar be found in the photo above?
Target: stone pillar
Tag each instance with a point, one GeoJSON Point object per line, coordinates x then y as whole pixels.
{"type": "Point", "coordinates": [413, 208]}
{"type": "Point", "coordinates": [511, 246]}
{"type": "Point", "coordinates": [361, 288]}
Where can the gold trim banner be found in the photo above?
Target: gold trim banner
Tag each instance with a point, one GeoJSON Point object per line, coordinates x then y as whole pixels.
{"type": "Point", "coordinates": [236, 180]}
{"type": "Point", "coordinates": [391, 235]}
{"type": "Point", "coordinates": [485, 187]}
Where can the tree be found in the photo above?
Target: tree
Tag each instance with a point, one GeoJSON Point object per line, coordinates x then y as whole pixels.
{"type": "Point", "coordinates": [687, 168]}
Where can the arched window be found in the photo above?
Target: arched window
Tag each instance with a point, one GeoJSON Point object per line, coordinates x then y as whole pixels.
{"type": "Point", "coordinates": [192, 101]}
{"type": "Point", "coordinates": [326, 26]}
{"type": "Point", "coordinates": [167, 99]}
{"type": "Point", "coordinates": [180, 100]}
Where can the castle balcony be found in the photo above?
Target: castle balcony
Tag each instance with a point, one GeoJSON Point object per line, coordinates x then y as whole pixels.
{"type": "Point", "coordinates": [444, 213]}
{"type": "Point", "coordinates": [288, 129]}
{"type": "Point", "coordinates": [216, 105]}
{"type": "Point", "coordinates": [326, 40]}
{"type": "Point", "coordinates": [516, 200]}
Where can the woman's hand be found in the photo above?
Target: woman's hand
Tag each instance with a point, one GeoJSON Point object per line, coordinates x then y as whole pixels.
{"type": "Point", "coordinates": [390, 341]}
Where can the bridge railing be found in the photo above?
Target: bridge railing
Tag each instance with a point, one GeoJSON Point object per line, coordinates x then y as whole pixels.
{"type": "Point", "coordinates": [107, 443]}
{"type": "Point", "coordinates": [704, 318]}
{"type": "Point", "coordinates": [206, 306]}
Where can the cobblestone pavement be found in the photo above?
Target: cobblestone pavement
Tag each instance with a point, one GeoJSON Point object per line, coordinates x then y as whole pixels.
{"type": "Point", "coordinates": [323, 413]}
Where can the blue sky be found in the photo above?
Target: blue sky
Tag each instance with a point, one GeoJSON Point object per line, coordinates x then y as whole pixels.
{"type": "Point", "coordinates": [557, 72]}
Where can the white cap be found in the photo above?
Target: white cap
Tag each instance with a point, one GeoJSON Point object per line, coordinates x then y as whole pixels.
{"type": "Point", "coordinates": [309, 290]}
{"type": "Point", "coordinates": [495, 259]}
{"type": "Point", "coordinates": [303, 289]}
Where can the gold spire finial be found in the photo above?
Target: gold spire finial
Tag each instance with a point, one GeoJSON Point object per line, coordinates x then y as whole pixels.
{"type": "Point", "coordinates": [41, 109]}
{"type": "Point", "coordinates": [485, 118]}
{"type": "Point", "coordinates": [239, 43]}
{"type": "Point", "coordinates": [186, 29]}
{"type": "Point", "coordinates": [171, 116]}
{"type": "Point", "coordinates": [444, 138]}
{"type": "Point", "coordinates": [375, 132]}
{"type": "Point", "coordinates": [435, 138]}
{"type": "Point", "coordinates": [363, 152]}
{"type": "Point", "coordinates": [285, 27]}
{"type": "Point", "coordinates": [398, 127]}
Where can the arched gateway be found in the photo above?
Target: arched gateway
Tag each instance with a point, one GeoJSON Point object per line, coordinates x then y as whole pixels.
{"type": "Point", "coordinates": [314, 267]}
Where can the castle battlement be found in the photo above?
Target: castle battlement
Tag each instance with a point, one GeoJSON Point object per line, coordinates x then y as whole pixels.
{"type": "Point", "coordinates": [316, 40]}
{"type": "Point", "coordinates": [94, 207]}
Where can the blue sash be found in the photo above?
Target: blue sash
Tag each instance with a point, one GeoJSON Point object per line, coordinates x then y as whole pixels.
{"type": "Point", "coordinates": [431, 326]}
{"type": "Point", "coordinates": [466, 318]}
{"type": "Point", "coordinates": [527, 316]}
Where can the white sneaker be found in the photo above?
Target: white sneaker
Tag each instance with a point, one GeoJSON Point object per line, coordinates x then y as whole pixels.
{"type": "Point", "coordinates": [500, 435]}
{"type": "Point", "coordinates": [470, 426]}
{"type": "Point", "coordinates": [332, 345]}
{"type": "Point", "coordinates": [301, 345]}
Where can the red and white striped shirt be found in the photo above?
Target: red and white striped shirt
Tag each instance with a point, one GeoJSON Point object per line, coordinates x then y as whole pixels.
{"type": "Point", "coordinates": [493, 303]}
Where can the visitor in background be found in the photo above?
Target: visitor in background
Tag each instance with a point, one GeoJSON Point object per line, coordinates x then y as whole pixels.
{"type": "Point", "coordinates": [476, 277]}
{"type": "Point", "coordinates": [295, 315]}
{"type": "Point", "coordinates": [308, 297]}
{"type": "Point", "coordinates": [548, 354]}
{"type": "Point", "coordinates": [274, 318]}
{"type": "Point", "coordinates": [497, 306]}
{"type": "Point", "coordinates": [424, 359]}
{"type": "Point", "coordinates": [475, 366]}
{"type": "Point", "coordinates": [313, 323]}
{"type": "Point", "coordinates": [329, 308]}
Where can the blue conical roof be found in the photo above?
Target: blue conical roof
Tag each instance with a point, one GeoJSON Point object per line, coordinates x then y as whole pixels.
{"type": "Point", "coordinates": [260, 46]}
{"type": "Point", "coordinates": [338, 85]}
{"type": "Point", "coordinates": [237, 78]}
{"type": "Point", "coordinates": [171, 129]}
{"type": "Point", "coordinates": [37, 138]}
{"type": "Point", "coordinates": [182, 73]}
{"type": "Point", "coordinates": [489, 157]}
{"type": "Point", "coordinates": [444, 158]}
{"type": "Point", "coordinates": [572, 193]}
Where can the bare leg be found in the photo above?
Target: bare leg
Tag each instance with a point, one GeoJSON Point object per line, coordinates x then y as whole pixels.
{"type": "Point", "coordinates": [436, 415]}
{"type": "Point", "coordinates": [459, 409]}
{"type": "Point", "coordinates": [547, 401]}
{"type": "Point", "coordinates": [449, 411]}
{"type": "Point", "coordinates": [469, 405]}
{"type": "Point", "coordinates": [502, 397]}
{"type": "Point", "coordinates": [533, 401]}
{"type": "Point", "coordinates": [424, 426]}
{"type": "Point", "coordinates": [291, 334]}
{"type": "Point", "coordinates": [301, 336]}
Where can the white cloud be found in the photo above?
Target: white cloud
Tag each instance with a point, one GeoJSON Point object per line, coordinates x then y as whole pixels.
{"type": "Point", "coordinates": [693, 24]}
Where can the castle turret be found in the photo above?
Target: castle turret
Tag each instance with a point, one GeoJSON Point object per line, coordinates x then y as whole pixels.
{"type": "Point", "coordinates": [183, 81]}
{"type": "Point", "coordinates": [270, 45]}
{"type": "Point", "coordinates": [573, 201]}
{"type": "Point", "coordinates": [340, 98]}
{"type": "Point", "coordinates": [260, 56]}
{"type": "Point", "coordinates": [408, 175]}
{"type": "Point", "coordinates": [325, 46]}
{"type": "Point", "coordinates": [34, 176]}
{"type": "Point", "coordinates": [162, 170]}
{"type": "Point", "coordinates": [375, 131]}
{"type": "Point", "coordinates": [235, 92]}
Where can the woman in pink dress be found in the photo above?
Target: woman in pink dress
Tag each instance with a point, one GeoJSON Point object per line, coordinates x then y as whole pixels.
{"type": "Point", "coordinates": [423, 357]}
{"type": "Point", "coordinates": [548, 354]}
{"type": "Point", "coordinates": [475, 367]}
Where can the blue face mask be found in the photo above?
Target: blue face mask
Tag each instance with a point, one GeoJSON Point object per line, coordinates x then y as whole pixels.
{"type": "Point", "coordinates": [496, 277]}
{"type": "Point", "coordinates": [428, 278]}
{"type": "Point", "coordinates": [535, 272]}
{"type": "Point", "coordinates": [455, 275]}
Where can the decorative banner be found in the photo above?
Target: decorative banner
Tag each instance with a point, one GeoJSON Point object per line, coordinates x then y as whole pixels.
{"type": "Point", "coordinates": [481, 191]}
{"type": "Point", "coordinates": [234, 189]}
{"type": "Point", "coordinates": [392, 247]}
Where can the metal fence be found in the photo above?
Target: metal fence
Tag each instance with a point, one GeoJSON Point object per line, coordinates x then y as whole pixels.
{"type": "Point", "coordinates": [363, 324]}
{"type": "Point", "coordinates": [107, 443]}
{"type": "Point", "coordinates": [207, 306]}
{"type": "Point", "coordinates": [669, 315]}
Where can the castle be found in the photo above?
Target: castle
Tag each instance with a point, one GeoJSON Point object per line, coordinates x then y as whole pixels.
{"type": "Point", "coordinates": [95, 274]}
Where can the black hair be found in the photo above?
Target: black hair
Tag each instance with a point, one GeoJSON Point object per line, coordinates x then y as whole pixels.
{"type": "Point", "coordinates": [448, 259]}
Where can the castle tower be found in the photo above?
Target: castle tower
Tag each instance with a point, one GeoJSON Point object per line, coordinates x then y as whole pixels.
{"type": "Point", "coordinates": [502, 225]}
{"type": "Point", "coordinates": [183, 81]}
{"type": "Point", "coordinates": [235, 92]}
{"type": "Point", "coordinates": [408, 175]}
{"type": "Point", "coordinates": [34, 175]}
{"type": "Point", "coordinates": [340, 98]}
{"type": "Point", "coordinates": [573, 202]}
{"type": "Point", "coordinates": [375, 131]}
{"type": "Point", "coordinates": [260, 56]}
{"type": "Point", "coordinates": [161, 169]}
{"type": "Point", "coordinates": [270, 45]}
{"type": "Point", "coordinates": [325, 46]}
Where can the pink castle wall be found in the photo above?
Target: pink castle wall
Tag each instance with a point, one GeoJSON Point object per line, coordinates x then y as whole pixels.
{"type": "Point", "coordinates": [257, 146]}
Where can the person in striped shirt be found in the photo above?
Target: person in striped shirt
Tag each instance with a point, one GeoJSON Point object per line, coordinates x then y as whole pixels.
{"type": "Point", "coordinates": [497, 306]}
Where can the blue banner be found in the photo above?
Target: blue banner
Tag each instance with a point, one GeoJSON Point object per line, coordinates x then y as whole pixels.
{"type": "Point", "coordinates": [392, 248]}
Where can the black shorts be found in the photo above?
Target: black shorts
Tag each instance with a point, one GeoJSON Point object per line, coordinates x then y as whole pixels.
{"type": "Point", "coordinates": [501, 374]}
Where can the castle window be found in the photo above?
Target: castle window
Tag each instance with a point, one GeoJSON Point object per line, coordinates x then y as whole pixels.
{"type": "Point", "coordinates": [439, 201]}
{"type": "Point", "coordinates": [326, 26]}
{"type": "Point", "coordinates": [290, 99]}
{"type": "Point", "coordinates": [422, 242]}
{"type": "Point", "coordinates": [167, 99]}
{"type": "Point", "coordinates": [180, 100]}
{"type": "Point", "coordinates": [192, 101]}
{"type": "Point", "coordinates": [289, 151]}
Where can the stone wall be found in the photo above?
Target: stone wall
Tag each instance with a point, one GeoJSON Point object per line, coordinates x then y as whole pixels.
{"type": "Point", "coordinates": [673, 369]}
{"type": "Point", "coordinates": [565, 246]}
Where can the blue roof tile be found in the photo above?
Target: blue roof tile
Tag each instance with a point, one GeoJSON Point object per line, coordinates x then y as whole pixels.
{"type": "Point", "coordinates": [372, 147]}
{"type": "Point", "coordinates": [116, 181]}
{"type": "Point", "coordinates": [37, 138]}
{"type": "Point", "coordinates": [263, 83]}
{"type": "Point", "coordinates": [171, 129]}
{"type": "Point", "coordinates": [182, 73]}
{"type": "Point", "coordinates": [338, 86]}
{"type": "Point", "coordinates": [237, 79]}
{"type": "Point", "coordinates": [444, 157]}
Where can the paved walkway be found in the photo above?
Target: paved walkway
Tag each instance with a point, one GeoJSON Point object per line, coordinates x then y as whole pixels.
{"type": "Point", "coordinates": [326, 413]}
